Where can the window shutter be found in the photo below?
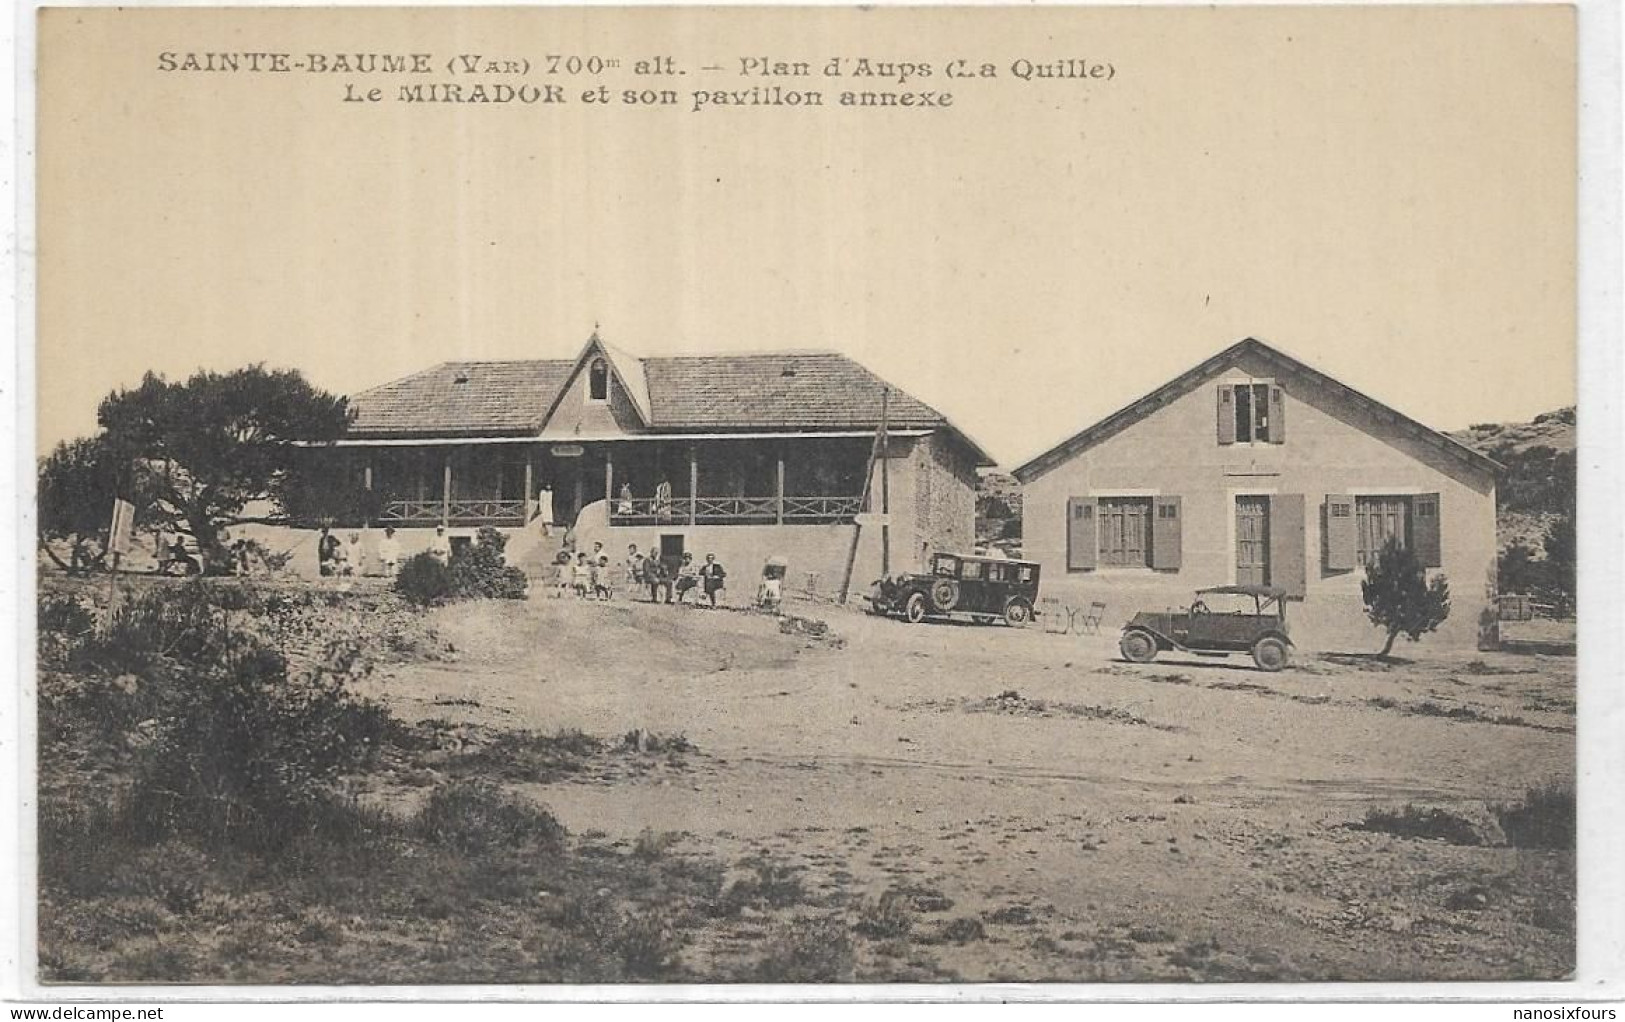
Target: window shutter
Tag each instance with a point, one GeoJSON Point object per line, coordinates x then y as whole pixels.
{"type": "Point", "coordinates": [1081, 543]}
{"type": "Point", "coordinates": [1167, 520]}
{"type": "Point", "coordinates": [1227, 414]}
{"type": "Point", "coordinates": [1425, 529]}
{"type": "Point", "coordinates": [1342, 533]}
{"type": "Point", "coordinates": [1287, 541]}
{"type": "Point", "coordinates": [1277, 416]}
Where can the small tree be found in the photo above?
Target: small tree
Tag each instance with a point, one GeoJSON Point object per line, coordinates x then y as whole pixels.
{"type": "Point", "coordinates": [78, 482]}
{"type": "Point", "coordinates": [1400, 598]}
{"type": "Point", "coordinates": [218, 441]}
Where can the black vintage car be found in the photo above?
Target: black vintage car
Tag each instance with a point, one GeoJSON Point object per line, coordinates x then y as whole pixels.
{"type": "Point", "coordinates": [982, 589]}
{"type": "Point", "coordinates": [1220, 621]}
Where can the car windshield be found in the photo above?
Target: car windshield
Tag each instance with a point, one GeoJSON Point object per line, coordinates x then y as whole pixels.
{"type": "Point", "coordinates": [1226, 603]}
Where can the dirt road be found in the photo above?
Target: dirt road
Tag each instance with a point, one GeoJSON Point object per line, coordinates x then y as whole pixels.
{"type": "Point", "coordinates": [1053, 812]}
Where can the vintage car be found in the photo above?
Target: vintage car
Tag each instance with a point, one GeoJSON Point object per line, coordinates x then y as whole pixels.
{"type": "Point", "coordinates": [1220, 621]}
{"type": "Point", "coordinates": [981, 589]}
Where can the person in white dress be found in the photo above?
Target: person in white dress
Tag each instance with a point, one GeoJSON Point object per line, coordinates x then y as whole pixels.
{"type": "Point", "coordinates": [544, 509]}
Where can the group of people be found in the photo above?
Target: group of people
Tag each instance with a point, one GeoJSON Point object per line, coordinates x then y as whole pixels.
{"type": "Point", "coordinates": [347, 557]}
{"type": "Point", "coordinates": [590, 575]}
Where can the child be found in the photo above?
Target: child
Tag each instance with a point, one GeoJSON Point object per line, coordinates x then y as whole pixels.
{"type": "Point", "coordinates": [583, 576]}
{"type": "Point", "coordinates": [563, 576]}
{"type": "Point", "coordinates": [634, 568]}
{"type": "Point", "coordinates": [602, 587]}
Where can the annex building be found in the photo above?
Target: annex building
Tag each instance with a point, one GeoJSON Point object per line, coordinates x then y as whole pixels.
{"type": "Point", "coordinates": [1253, 467]}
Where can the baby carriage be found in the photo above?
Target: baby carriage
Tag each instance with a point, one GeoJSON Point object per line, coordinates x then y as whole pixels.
{"type": "Point", "coordinates": [770, 593]}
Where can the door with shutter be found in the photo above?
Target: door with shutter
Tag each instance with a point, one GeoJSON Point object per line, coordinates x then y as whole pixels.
{"type": "Point", "coordinates": [1287, 540]}
{"type": "Point", "coordinates": [1227, 414]}
{"type": "Point", "coordinates": [1080, 533]}
{"type": "Point", "coordinates": [1342, 546]}
{"type": "Point", "coordinates": [1425, 526]}
{"type": "Point", "coordinates": [1166, 540]}
{"type": "Point", "coordinates": [1252, 541]}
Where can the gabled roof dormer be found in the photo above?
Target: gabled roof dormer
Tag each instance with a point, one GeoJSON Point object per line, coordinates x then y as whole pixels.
{"type": "Point", "coordinates": [606, 385]}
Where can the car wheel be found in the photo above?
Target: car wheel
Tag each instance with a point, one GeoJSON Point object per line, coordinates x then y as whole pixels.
{"type": "Point", "coordinates": [944, 594]}
{"type": "Point", "coordinates": [1018, 612]}
{"type": "Point", "coordinates": [1270, 653]}
{"type": "Point", "coordinates": [1138, 647]}
{"type": "Point", "coordinates": [914, 610]}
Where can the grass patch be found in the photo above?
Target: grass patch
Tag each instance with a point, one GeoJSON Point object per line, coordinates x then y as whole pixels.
{"type": "Point", "coordinates": [1015, 704]}
{"type": "Point", "coordinates": [1425, 822]}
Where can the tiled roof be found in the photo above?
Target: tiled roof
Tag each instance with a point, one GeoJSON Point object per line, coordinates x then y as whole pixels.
{"type": "Point", "coordinates": [463, 399]}
{"type": "Point", "coordinates": [818, 390]}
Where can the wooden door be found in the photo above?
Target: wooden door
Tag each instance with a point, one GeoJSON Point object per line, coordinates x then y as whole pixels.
{"type": "Point", "coordinates": [1252, 541]}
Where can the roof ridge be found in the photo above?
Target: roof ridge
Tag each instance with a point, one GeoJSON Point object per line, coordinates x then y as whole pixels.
{"type": "Point", "coordinates": [752, 353]}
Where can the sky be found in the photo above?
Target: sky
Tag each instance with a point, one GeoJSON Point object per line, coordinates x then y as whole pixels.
{"type": "Point", "coordinates": [1385, 193]}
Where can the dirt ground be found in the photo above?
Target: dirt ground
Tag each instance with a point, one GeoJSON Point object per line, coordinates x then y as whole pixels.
{"type": "Point", "coordinates": [1052, 812]}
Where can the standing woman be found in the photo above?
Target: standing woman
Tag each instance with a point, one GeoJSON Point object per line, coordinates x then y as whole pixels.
{"type": "Point", "coordinates": [544, 509]}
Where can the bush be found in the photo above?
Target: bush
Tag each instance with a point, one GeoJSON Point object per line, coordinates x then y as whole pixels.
{"type": "Point", "coordinates": [1423, 822]}
{"type": "Point", "coordinates": [806, 951]}
{"type": "Point", "coordinates": [476, 816]}
{"type": "Point", "coordinates": [888, 917]}
{"type": "Point", "coordinates": [480, 573]}
{"type": "Point", "coordinates": [1398, 596]}
{"type": "Point", "coordinates": [1544, 819]}
{"type": "Point", "coordinates": [247, 752]}
{"type": "Point", "coordinates": [424, 580]}
{"type": "Point", "coordinates": [475, 573]}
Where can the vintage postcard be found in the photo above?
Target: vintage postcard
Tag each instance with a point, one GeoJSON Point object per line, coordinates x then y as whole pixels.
{"type": "Point", "coordinates": [578, 496]}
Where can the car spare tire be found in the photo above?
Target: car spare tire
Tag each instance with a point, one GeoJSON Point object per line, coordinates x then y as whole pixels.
{"type": "Point", "coordinates": [944, 594]}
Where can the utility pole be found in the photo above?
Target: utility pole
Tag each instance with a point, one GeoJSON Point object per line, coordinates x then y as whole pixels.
{"type": "Point", "coordinates": [885, 484]}
{"type": "Point", "coordinates": [863, 501]}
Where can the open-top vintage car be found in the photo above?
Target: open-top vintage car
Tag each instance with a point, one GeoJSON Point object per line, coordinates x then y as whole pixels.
{"type": "Point", "coordinates": [1220, 621]}
{"type": "Point", "coordinates": [982, 589]}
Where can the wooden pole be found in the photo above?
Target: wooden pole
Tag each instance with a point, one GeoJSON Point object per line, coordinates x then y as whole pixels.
{"type": "Point", "coordinates": [609, 479]}
{"type": "Point", "coordinates": [778, 489]}
{"type": "Point", "coordinates": [530, 491]}
{"type": "Point", "coordinates": [863, 504]}
{"type": "Point", "coordinates": [885, 485]}
{"type": "Point", "coordinates": [445, 490]}
{"type": "Point", "coordinates": [693, 485]}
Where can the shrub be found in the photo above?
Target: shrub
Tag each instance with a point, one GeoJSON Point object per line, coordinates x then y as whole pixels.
{"type": "Point", "coordinates": [1544, 819]}
{"type": "Point", "coordinates": [475, 573]}
{"type": "Point", "coordinates": [806, 951]}
{"type": "Point", "coordinates": [477, 815]}
{"type": "Point", "coordinates": [246, 753]}
{"type": "Point", "coordinates": [480, 573]}
{"type": "Point", "coordinates": [1423, 822]}
{"type": "Point", "coordinates": [424, 580]}
{"type": "Point", "coordinates": [65, 615]}
{"type": "Point", "coordinates": [887, 917]}
{"type": "Point", "coordinates": [1399, 597]}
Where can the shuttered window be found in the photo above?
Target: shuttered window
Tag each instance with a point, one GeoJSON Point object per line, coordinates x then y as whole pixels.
{"type": "Point", "coordinates": [1252, 413]}
{"type": "Point", "coordinates": [1124, 525]}
{"type": "Point", "coordinates": [1376, 519]}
